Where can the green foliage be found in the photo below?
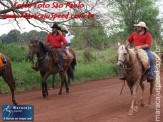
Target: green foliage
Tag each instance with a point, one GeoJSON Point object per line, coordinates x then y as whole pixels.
{"type": "Point", "coordinates": [14, 36]}
{"type": "Point", "coordinates": [14, 52]}
{"type": "Point", "coordinates": [91, 36]}
{"type": "Point", "coordinates": [101, 65]}
{"type": "Point", "coordinates": [134, 11]}
{"type": "Point", "coordinates": [88, 56]}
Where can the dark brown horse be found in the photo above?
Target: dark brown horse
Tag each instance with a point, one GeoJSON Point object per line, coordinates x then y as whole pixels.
{"type": "Point", "coordinates": [161, 57]}
{"type": "Point", "coordinates": [6, 73]}
{"type": "Point", "coordinates": [70, 72]}
{"type": "Point", "coordinates": [46, 65]}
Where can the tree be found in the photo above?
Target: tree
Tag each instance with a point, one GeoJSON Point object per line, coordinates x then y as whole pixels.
{"type": "Point", "coordinates": [130, 12]}
{"type": "Point", "coordinates": [90, 36]}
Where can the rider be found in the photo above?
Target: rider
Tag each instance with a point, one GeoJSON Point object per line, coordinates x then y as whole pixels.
{"type": "Point", "coordinates": [64, 33]}
{"type": "Point", "coordinates": [142, 40]}
{"type": "Point", "coordinates": [54, 39]}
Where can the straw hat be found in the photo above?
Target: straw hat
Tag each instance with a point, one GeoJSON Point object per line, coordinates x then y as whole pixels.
{"type": "Point", "coordinates": [142, 24]}
{"type": "Point", "coordinates": [64, 29]}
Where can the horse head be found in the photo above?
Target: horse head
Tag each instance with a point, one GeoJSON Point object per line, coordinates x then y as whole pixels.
{"type": "Point", "coordinates": [33, 48]}
{"type": "Point", "coordinates": [123, 55]}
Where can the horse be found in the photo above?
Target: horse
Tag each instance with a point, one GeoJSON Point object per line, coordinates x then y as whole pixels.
{"type": "Point", "coordinates": [7, 75]}
{"type": "Point", "coordinates": [70, 72]}
{"type": "Point", "coordinates": [134, 74]}
{"type": "Point", "coordinates": [46, 65]}
{"type": "Point", "coordinates": [161, 54]}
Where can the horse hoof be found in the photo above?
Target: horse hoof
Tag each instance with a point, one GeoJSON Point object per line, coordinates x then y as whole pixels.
{"type": "Point", "coordinates": [148, 105]}
{"type": "Point", "coordinates": [15, 103]}
{"type": "Point", "coordinates": [59, 94]}
{"type": "Point", "coordinates": [142, 105]}
{"type": "Point", "coordinates": [136, 109]}
{"type": "Point", "coordinates": [130, 113]}
{"type": "Point", "coordinates": [52, 88]}
{"type": "Point", "coordinates": [44, 95]}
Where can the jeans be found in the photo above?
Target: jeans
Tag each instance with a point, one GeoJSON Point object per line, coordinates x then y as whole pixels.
{"type": "Point", "coordinates": [60, 59]}
{"type": "Point", "coordinates": [152, 63]}
{"type": "Point", "coordinates": [67, 51]}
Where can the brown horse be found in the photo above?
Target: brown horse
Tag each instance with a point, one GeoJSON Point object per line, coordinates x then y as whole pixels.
{"type": "Point", "coordinates": [46, 65]}
{"type": "Point", "coordinates": [161, 57]}
{"type": "Point", "coordinates": [134, 74]}
{"type": "Point", "coordinates": [70, 72]}
{"type": "Point", "coordinates": [6, 73]}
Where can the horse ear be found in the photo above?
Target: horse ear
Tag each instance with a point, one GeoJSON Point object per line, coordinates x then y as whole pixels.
{"type": "Point", "coordinates": [119, 44]}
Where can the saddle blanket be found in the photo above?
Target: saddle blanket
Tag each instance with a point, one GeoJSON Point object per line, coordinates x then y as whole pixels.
{"type": "Point", "coordinates": [145, 60]}
{"type": "Point", "coordinates": [1, 62]}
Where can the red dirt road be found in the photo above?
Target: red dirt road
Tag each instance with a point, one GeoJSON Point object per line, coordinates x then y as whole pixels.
{"type": "Point", "coordinates": [92, 101]}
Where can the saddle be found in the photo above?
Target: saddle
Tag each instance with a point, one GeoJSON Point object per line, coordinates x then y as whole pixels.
{"type": "Point", "coordinates": [66, 58]}
{"type": "Point", "coordinates": [143, 58]}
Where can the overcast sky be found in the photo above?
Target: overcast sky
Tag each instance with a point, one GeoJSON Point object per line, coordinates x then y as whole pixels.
{"type": "Point", "coordinates": [6, 26]}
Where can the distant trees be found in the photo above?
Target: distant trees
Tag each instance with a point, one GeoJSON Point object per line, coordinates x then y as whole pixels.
{"type": "Point", "coordinates": [89, 36]}
{"type": "Point", "coordinates": [14, 36]}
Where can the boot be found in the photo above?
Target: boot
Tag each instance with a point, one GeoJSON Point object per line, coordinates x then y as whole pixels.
{"type": "Point", "coordinates": [122, 77]}
{"type": "Point", "coordinates": [150, 79]}
{"type": "Point", "coordinates": [61, 68]}
{"type": "Point", "coordinates": [35, 68]}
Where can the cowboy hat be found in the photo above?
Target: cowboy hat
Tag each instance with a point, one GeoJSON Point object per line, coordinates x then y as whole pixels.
{"type": "Point", "coordinates": [64, 29]}
{"type": "Point", "coordinates": [56, 26]}
{"type": "Point", "coordinates": [142, 24]}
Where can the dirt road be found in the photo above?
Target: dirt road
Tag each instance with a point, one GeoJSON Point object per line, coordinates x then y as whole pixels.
{"type": "Point", "coordinates": [92, 101]}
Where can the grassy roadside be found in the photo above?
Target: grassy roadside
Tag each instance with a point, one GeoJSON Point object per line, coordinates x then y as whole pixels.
{"type": "Point", "coordinates": [91, 64]}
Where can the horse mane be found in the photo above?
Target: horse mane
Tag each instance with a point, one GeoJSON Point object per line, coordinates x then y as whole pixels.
{"type": "Point", "coordinates": [47, 50]}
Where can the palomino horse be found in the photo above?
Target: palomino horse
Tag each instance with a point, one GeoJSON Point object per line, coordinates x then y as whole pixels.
{"type": "Point", "coordinates": [6, 73]}
{"type": "Point", "coordinates": [46, 65]}
{"type": "Point", "coordinates": [70, 72]}
{"type": "Point", "coordinates": [134, 74]}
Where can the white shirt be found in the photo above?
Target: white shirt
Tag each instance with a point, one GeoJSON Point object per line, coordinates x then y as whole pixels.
{"type": "Point", "coordinates": [68, 40]}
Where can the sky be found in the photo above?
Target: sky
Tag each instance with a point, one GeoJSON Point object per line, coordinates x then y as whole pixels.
{"type": "Point", "coordinates": [6, 26]}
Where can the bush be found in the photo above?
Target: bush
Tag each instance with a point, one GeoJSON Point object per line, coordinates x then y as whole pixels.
{"type": "Point", "coordinates": [14, 52]}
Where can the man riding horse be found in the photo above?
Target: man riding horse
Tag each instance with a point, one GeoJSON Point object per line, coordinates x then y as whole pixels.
{"type": "Point", "coordinates": [55, 39]}
{"type": "Point", "coordinates": [142, 40]}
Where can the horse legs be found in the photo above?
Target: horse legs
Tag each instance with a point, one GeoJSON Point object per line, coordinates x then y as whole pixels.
{"type": "Point", "coordinates": [63, 77]}
{"type": "Point", "coordinates": [53, 82]}
{"type": "Point", "coordinates": [44, 84]}
{"type": "Point", "coordinates": [68, 74]}
{"type": "Point", "coordinates": [142, 95]}
{"type": "Point", "coordinates": [13, 96]}
{"type": "Point", "coordinates": [66, 85]}
{"type": "Point", "coordinates": [60, 91]}
{"type": "Point", "coordinates": [11, 83]}
{"type": "Point", "coordinates": [151, 92]}
{"type": "Point", "coordinates": [133, 97]}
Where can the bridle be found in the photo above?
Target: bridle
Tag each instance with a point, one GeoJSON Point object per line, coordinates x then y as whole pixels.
{"type": "Point", "coordinates": [125, 63]}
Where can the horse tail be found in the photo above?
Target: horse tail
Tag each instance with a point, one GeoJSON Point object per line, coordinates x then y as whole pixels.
{"type": "Point", "coordinates": [71, 73]}
{"type": "Point", "coordinates": [12, 78]}
{"type": "Point", "coordinates": [73, 64]}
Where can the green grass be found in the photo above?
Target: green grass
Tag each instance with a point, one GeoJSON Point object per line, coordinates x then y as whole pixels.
{"type": "Point", "coordinates": [102, 64]}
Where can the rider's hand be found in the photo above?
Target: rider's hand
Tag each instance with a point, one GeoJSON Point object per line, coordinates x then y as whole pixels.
{"type": "Point", "coordinates": [137, 47]}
